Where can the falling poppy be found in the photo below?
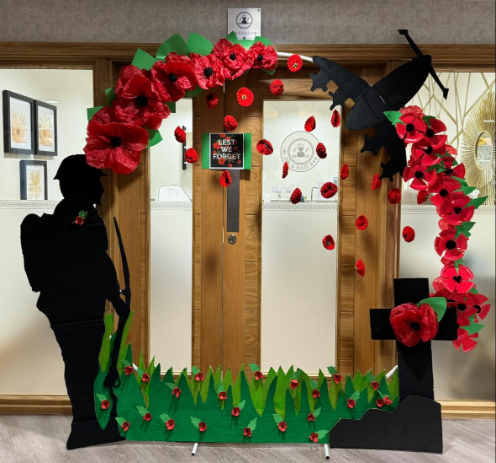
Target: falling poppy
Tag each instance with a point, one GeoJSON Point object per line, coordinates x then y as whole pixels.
{"type": "Point", "coordinates": [328, 242]}
{"type": "Point", "coordinates": [412, 324]}
{"type": "Point", "coordinates": [222, 395]}
{"type": "Point", "coordinates": [408, 234]}
{"type": "Point", "coordinates": [328, 190]}
{"type": "Point", "coordinates": [344, 172]}
{"type": "Point", "coordinates": [457, 281]}
{"type": "Point", "coordinates": [282, 426]}
{"type": "Point", "coordinates": [277, 87]}
{"type": "Point", "coordinates": [236, 60]}
{"type": "Point", "coordinates": [295, 63]}
{"type": "Point", "coordinates": [147, 417]}
{"type": "Point", "coordinates": [310, 417]}
{"type": "Point", "coordinates": [265, 147]}
{"type": "Point", "coordinates": [293, 384]}
{"type": "Point", "coordinates": [361, 222]}
{"type": "Point", "coordinates": [315, 393]}
{"type": "Point", "coordinates": [180, 135]}
{"type": "Point", "coordinates": [258, 375]}
{"type": "Point", "coordinates": [450, 247]}
{"type": "Point", "coordinates": [176, 392]}
{"type": "Point", "coordinates": [202, 426]}
{"type": "Point", "coordinates": [337, 378]}
{"type": "Point", "coordinates": [375, 385]}
{"type": "Point", "coordinates": [422, 196]}
{"type": "Point", "coordinates": [285, 170]}
{"type": "Point", "coordinates": [411, 129]}
{"type": "Point", "coordinates": [321, 151]}
{"type": "Point", "coordinates": [235, 411]}
{"type": "Point", "coordinates": [145, 377]}
{"type": "Point", "coordinates": [225, 179]}
{"type": "Point", "coordinates": [314, 437]}
{"type": "Point", "coordinates": [422, 177]}
{"type": "Point", "coordinates": [212, 100]}
{"type": "Point", "coordinates": [209, 72]}
{"type": "Point", "coordinates": [296, 196]}
{"type": "Point", "coordinates": [264, 56]}
{"type": "Point", "coordinates": [170, 425]}
{"type": "Point", "coordinates": [199, 377]}
{"type": "Point", "coordinates": [335, 118]}
{"type": "Point", "coordinates": [125, 426]}
{"type": "Point", "coordinates": [191, 156]}
{"type": "Point", "coordinates": [376, 182]}
{"type": "Point", "coordinates": [394, 196]}
{"type": "Point", "coordinates": [128, 370]}
{"type": "Point", "coordinates": [230, 123]}
{"type": "Point", "coordinates": [310, 124]}
{"type": "Point", "coordinates": [351, 403]}
{"type": "Point", "coordinates": [360, 267]}
{"type": "Point", "coordinates": [244, 96]}
{"type": "Point", "coordinates": [105, 404]}
{"type": "Point", "coordinates": [247, 432]}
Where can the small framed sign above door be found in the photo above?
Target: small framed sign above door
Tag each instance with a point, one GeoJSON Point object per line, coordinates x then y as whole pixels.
{"type": "Point", "coordinates": [226, 151]}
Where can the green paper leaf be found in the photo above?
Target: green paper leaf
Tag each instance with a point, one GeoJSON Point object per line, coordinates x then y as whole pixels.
{"type": "Point", "coordinates": [464, 229]}
{"type": "Point", "coordinates": [92, 111]}
{"type": "Point", "coordinates": [172, 105]}
{"type": "Point", "coordinates": [277, 418]}
{"type": "Point", "coordinates": [101, 397]}
{"type": "Point", "coordinates": [220, 388]}
{"type": "Point", "coordinates": [173, 44]}
{"type": "Point", "coordinates": [474, 290]}
{"type": "Point", "coordinates": [369, 376]}
{"type": "Point", "coordinates": [194, 370]}
{"type": "Point", "coordinates": [466, 190]}
{"type": "Point", "coordinates": [473, 328]}
{"type": "Point", "coordinates": [253, 424]}
{"type": "Point", "coordinates": [199, 44]}
{"type": "Point", "coordinates": [254, 367]}
{"type": "Point", "coordinates": [110, 92]}
{"type": "Point", "coordinates": [142, 410]}
{"type": "Point", "coordinates": [317, 411]}
{"type": "Point", "coordinates": [164, 417]}
{"type": "Point", "coordinates": [322, 433]}
{"type": "Point", "coordinates": [232, 37]}
{"type": "Point", "coordinates": [332, 370]}
{"type": "Point", "coordinates": [313, 384]}
{"type": "Point", "coordinates": [192, 93]}
{"type": "Point", "coordinates": [120, 420]}
{"type": "Point", "coordinates": [460, 180]}
{"type": "Point", "coordinates": [457, 264]}
{"type": "Point", "coordinates": [155, 137]}
{"type": "Point", "coordinates": [143, 60]}
{"type": "Point", "coordinates": [264, 40]}
{"type": "Point", "coordinates": [171, 386]}
{"type": "Point", "coordinates": [427, 120]}
{"type": "Point", "coordinates": [477, 202]}
{"type": "Point", "coordinates": [296, 374]}
{"type": "Point", "coordinates": [394, 117]}
{"type": "Point", "coordinates": [355, 396]}
{"type": "Point", "coordinates": [195, 421]}
{"type": "Point", "coordinates": [242, 404]}
{"type": "Point", "coordinates": [438, 304]}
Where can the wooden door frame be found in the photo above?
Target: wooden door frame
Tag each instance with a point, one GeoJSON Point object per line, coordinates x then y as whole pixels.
{"type": "Point", "coordinates": [103, 58]}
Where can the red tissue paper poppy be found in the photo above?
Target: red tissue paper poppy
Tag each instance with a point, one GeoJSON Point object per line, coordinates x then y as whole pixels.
{"type": "Point", "coordinates": [202, 426]}
{"type": "Point", "coordinates": [125, 426]}
{"type": "Point", "coordinates": [191, 156]}
{"type": "Point", "coordinates": [394, 196]}
{"type": "Point", "coordinates": [199, 377]}
{"type": "Point", "coordinates": [173, 77]}
{"type": "Point", "coordinates": [449, 247]}
{"type": "Point", "coordinates": [336, 118]}
{"type": "Point", "coordinates": [244, 96]}
{"type": "Point", "coordinates": [361, 222]}
{"type": "Point", "coordinates": [295, 63]}
{"type": "Point", "coordinates": [145, 377]}
{"type": "Point", "coordinates": [412, 109]}
{"type": "Point", "coordinates": [412, 324]}
{"type": "Point", "coordinates": [212, 100]}
{"type": "Point", "coordinates": [321, 151]}
{"type": "Point", "coordinates": [235, 411]}
{"type": "Point", "coordinates": [314, 437]}
{"type": "Point", "coordinates": [265, 147]}
{"type": "Point", "coordinates": [412, 128]}
{"type": "Point", "coordinates": [230, 123]}
{"type": "Point", "coordinates": [105, 404]}
{"type": "Point", "coordinates": [247, 432]}
{"type": "Point", "coordinates": [176, 392]}
{"type": "Point", "coordinates": [456, 211]}
{"type": "Point", "coordinates": [465, 340]}
{"type": "Point", "coordinates": [220, 47]}
{"type": "Point", "coordinates": [408, 234]}
{"type": "Point", "coordinates": [344, 172]}
{"type": "Point", "coordinates": [315, 393]}
{"type": "Point", "coordinates": [328, 190]}
{"type": "Point", "coordinates": [225, 179]}
{"type": "Point", "coordinates": [351, 403]}
{"type": "Point", "coordinates": [258, 375]}
{"type": "Point", "coordinates": [296, 196]}
{"type": "Point", "coordinates": [170, 425]}
{"type": "Point", "coordinates": [285, 170]}
{"type": "Point", "coordinates": [376, 182]}
{"type": "Point", "coordinates": [277, 87]}
{"type": "Point", "coordinates": [236, 61]}
{"type": "Point", "coordinates": [422, 196]}
{"type": "Point", "coordinates": [328, 242]}
{"type": "Point", "coordinates": [264, 56]}
{"type": "Point", "coordinates": [310, 417]}
{"type": "Point", "coordinates": [180, 135]}
{"type": "Point", "coordinates": [209, 72]}
{"type": "Point", "coordinates": [422, 178]}
{"type": "Point", "coordinates": [293, 384]}
{"type": "Point", "coordinates": [310, 124]}
{"type": "Point", "coordinates": [128, 370]}
{"type": "Point", "coordinates": [360, 267]}
{"type": "Point", "coordinates": [147, 417]}
{"type": "Point", "coordinates": [457, 281]}
{"type": "Point", "coordinates": [282, 426]}
{"type": "Point", "coordinates": [222, 395]}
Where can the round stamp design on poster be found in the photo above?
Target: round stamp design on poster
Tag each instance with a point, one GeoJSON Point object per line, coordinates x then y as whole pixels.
{"type": "Point", "coordinates": [244, 20]}
{"type": "Point", "coordinates": [299, 151]}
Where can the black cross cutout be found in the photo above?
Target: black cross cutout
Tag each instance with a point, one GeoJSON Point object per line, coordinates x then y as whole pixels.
{"type": "Point", "coordinates": [414, 363]}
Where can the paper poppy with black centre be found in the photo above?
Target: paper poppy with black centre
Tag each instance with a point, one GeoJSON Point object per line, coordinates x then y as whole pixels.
{"type": "Point", "coordinates": [285, 170]}
{"type": "Point", "coordinates": [337, 378]}
{"type": "Point", "coordinates": [456, 210]}
{"type": "Point", "coordinates": [265, 147]}
{"type": "Point", "coordinates": [170, 425]}
{"type": "Point", "coordinates": [432, 135]}
{"type": "Point", "coordinates": [296, 196]}
{"type": "Point", "coordinates": [344, 172]}
{"type": "Point", "coordinates": [79, 220]}
{"type": "Point", "coordinates": [220, 47]}
{"type": "Point", "coordinates": [191, 155]}
{"type": "Point", "coordinates": [282, 426]}
{"type": "Point", "coordinates": [375, 385]}
{"type": "Point", "coordinates": [230, 123]}
{"type": "Point", "coordinates": [105, 404]}
{"type": "Point", "coordinates": [236, 61]}
{"type": "Point", "coordinates": [458, 171]}
{"type": "Point", "coordinates": [147, 417]}
{"type": "Point", "coordinates": [236, 411]}
{"type": "Point", "coordinates": [277, 87]}
{"type": "Point", "coordinates": [350, 403]}
{"type": "Point", "coordinates": [328, 242]}
{"type": "Point", "coordinates": [335, 118]}
{"type": "Point", "coordinates": [442, 189]}
{"type": "Point", "coordinates": [464, 310]}
{"type": "Point", "coordinates": [314, 437]}
{"type": "Point", "coordinates": [209, 72]}
{"type": "Point", "coordinates": [408, 234]}
{"type": "Point", "coordinates": [244, 96]}
{"type": "Point", "coordinates": [176, 392]}
{"type": "Point", "coordinates": [293, 384]}
{"type": "Point", "coordinates": [328, 190]}
{"type": "Point", "coordinates": [310, 124]}
{"type": "Point", "coordinates": [202, 426]}
{"type": "Point", "coordinates": [384, 402]}
{"type": "Point", "coordinates": [321, 151]}
{"type": "Point", "coordinates": [310, 417]}
{"type": "Point", "coordinates": [376, 182]}
{"type": "Point", "coordinates": [449, 247]}
{"type": "Point", "coordinates": [222, 395]}
{"type": "Point", "coordinates": [128, 370]}
{"type": "Point", "coordinates": [145, 377]}
{"type": "Point", "coordinates": [412, 324]}
{"type": "Point", "coordinates": [422, 196]}
{"type": "Point", "coordinates": [394, 196]}
{"type": "Point", "coordinates": [457, 280]}
{"type": "Point", "coordinates": [180, 135]}
{"type": "Point", "coordinates": [173, 77]}
{"type": "Point", "coordinates": [295, 63]}
{"type": "Point", "coordinates": [125, 426]}
{"type": "Point", "coordinates": [264, 56]}
{"type": "Point", "coordinates": [478, 302]}
{"type": "Point", "coordinates": [199, 377]}
{"type": "Point", "coordinates": [247, 432]}
{"type": "Point", "coordinates": [465, 340]}
{"type": "Point", "coordinates": [361, 222]}
{"type": "Point", "coordinates": [426, 154]}
{"type": "Point", "coordinates": [315, 393]}
{"type": "Point", "coordinates": [360, 267]}
{"type": "Point", "coordinates": [411, 129]}
{"type": "Point", "coordinates": [258, 375]}
{"type": "Point", "coordinates": [422, 178]}
{"type": "Point", "coordinates": [115, 146]}
{"type": "Point", "coordinates": [212, 100]}
{"type": "Point", "coordinates": [225, 179]}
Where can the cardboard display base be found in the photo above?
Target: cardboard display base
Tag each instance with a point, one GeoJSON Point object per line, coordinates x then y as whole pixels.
{"type": "Point", "coordinates": [414, 426]}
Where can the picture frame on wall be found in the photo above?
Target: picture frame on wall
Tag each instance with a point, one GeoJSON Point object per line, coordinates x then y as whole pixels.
{"type": "Point", "coordinates": [18, 123]}
{"type": "Point", "coordinates": [45, 116]}
{"type": "Point", "coordinates": [34, 185]}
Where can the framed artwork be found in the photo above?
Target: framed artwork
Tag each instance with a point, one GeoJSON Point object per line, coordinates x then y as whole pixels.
{"type": "Point", "coordinates": [18, 123]}
{"type": "Point", "coordinates": [34, 180]}
{"type": "Point", "coordinates": [45, 117]}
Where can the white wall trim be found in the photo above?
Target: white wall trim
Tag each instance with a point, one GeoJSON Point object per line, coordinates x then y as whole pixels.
{"type": "Point", "coordinates": [17, 204]}
{"type": "Point", "coordinates": [309, 207]}
{"type": "Point", "coordinates": [171, 205]}
{"type": "Point", "coordinates": [409, 209]}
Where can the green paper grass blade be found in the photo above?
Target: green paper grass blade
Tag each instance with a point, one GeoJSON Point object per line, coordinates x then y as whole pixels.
{"type": "Point", "coordinates": [92, 111]}
{"type": "Point", "coordinates": [155, 137]}
{"type": "Point", "coordinates": [143, 60]}
{"type": "Point", "coordinates": [110, 92]}
{"type": "Point", "coordinates": [438, 304]}
{"type": "Point", "coordinates": [199, 44]}
{"type": "Point", "coordinates": [104, 356]}
{"type": "Point", "coordinates": [477, 202]}
{"type": "Point", "coordinates": [394, 117]}
{"type": "Point", "coordinates": [124, 347]}
{"type": "Point", "coordinates": [173, 44]}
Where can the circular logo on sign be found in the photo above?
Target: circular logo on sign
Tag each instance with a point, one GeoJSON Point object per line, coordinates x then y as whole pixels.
{"type": "Point", "coordinates": [298, 150]}
{"type": "Point", "coordinates": [244, 20]}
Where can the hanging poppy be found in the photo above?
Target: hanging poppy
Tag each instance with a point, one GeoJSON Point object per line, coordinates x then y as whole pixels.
{"type": "Point", "coordinates": [247, 432]}
{"type": "Point", "coordinates": [244, 96]}
{"type": "Point", "coordinates": [296, 196]}
{"type": "Point", "coordinates": [422, 178]}
{"type": "Point", "coordinates": [408, 234]}
{"type": "Point", "coordinates": [412, 324]}
{"type": "Point", "coordinates": [376, 182]}
{"type": "Point", "coordinates": [295, 63]}
{"type": "Point", "coordinates": [456, 210]}
{"type": "Point", "coordinates": [230, 123]}
{"type": "Point", "coordinates": [285, 170]}
{"type": "Point", "coordinates": [328, 242]}
{"type": "Point", "coordinates": [426, 154]}
{"type": "Point", "coordinates": [442, 190]}
{"type": "Point", "coordinates": [411, 129]}
{"type": "Point", "coordinates": [310, 417]}
{"type": "Point", "coordinates": [394, 196]}
{"type": "Point", "coordinates": [314, 437]}
{"type": "Point", "coordinates": [464, 309]}
{"type": "Point", "coordinates": [180, 135]}
{"type": "Point", "coordinates": [458, 281]}
{"type": "Point", "coordinates": [191, 156]}
{"type": "Point", "coordinates": [212, 100]}
{"type": "Point", "coordinates": [277, 87]}
{"type": "Point", "coordinates": [328, 190]}
{"type": "Point", "coordinates": [321, 151]}
{"type": "Point", "coordinates": [432, 135]}
{"type": "Point", "coordinates": [360, 267]}
{"type": "Point", "coordinates": [422, 196]}
{"type": "Point", "coordinates": [236, 61]}
{"type": "Point", "coordinates": [209, 72]}
{"type": "Point", "coordinates": [265, 147]}
{"type": "Point", "coordinates": [336, 118]}
{"type": "Point", "coordinates": [361, 222]}
{"type": "Point", "coordinates": [310, 124]}
{"type": "Point", "coordinates": [465, 340]}
{"type": "Point", "coordinates": [344, 172]}
{"type": "Point", "coordinates": [236, 411]}
{"type": "Point", "coordinates": [225, 179]}
{"type": "Point", "coordinates": [449, 247]}
{"type": "Point", "coordinates": [220, 47]}
{"type": "Point", "coordinates": [478, 302]}
{"type": "Point", "coordinates": [282, 426]}
{"type": "Point", "coordinates": [170, 425]}
{"type": "Point", "coordinates": [264, 56]}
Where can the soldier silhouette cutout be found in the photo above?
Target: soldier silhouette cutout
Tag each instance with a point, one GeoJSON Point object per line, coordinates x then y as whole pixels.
{"type": "Point", "coordinates": [66, 261]}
